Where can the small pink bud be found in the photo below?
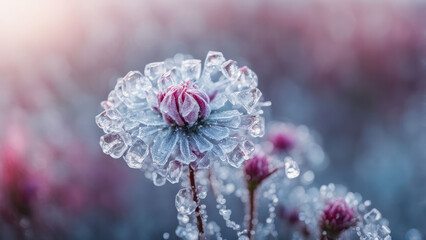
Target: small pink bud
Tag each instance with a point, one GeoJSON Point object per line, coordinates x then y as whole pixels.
{"type": "Point", "coordinates": [256, 170]}
{"type": "Point", "coordinates": [183, 104]}
{"type": "Point", "coordinates": [336, 218]}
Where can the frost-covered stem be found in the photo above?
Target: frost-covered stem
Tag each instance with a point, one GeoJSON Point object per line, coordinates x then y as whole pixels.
{"type": "Point", "coordinates": [196, 200]}
{"type": "Point", "coordinates": [252, 213]}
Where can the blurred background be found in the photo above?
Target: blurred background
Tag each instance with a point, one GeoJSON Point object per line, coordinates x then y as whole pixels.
{"type": "Point", "coordinates": [352, 70]}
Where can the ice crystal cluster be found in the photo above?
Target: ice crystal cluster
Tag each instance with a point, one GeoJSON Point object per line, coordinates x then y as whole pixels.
{"type": "Point", "coordinates": [178, 113]}
{"type": "Point", "coordinates": [331, 212]}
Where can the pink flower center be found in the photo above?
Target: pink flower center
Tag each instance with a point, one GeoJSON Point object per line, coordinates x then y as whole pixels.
{"type": "Point", "coordinates": [183, 104]}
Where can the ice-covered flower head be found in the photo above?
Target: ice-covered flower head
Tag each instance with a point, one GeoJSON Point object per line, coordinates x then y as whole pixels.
{"type": "Point", "coordinates": [178, 113]}
{"type": "Point", "coordinates": [336, 218]}
{"type": "Point", "coordinates": [332, 212]}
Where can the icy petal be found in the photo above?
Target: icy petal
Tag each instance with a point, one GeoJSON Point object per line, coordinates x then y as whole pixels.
{"type": "Point", "coordinates": [230, 69]}
{"type": "Point", "coordinates": [144, 84]}
{"type": "Point", "coordinates": [247, 78]}
{"type": "Point", "coordinates": [164, 145]}
{"type": "Point", "coordinates": [154, 70]}
{"type": "Point", "coordinates": [118, 89]}
{"type": "Point", "coordinates": [151, 118]}
{"type": "Point", "coordinates": [191, 69]}
{"type": "Point", "coordinates": [213, 61]}
{"type": "Point", "coordinates": [228, 122]}
{"type": "Point", "coordinates": [236, 157]}
{"type": "Point", "coordinates": [247, 98]}
{"type": "Point", "coordinates": [145, 131]}
{"type": "Point", "coordinates": [136, 154]}
{"type": "Point", "coordinates": [184, 201]}
{"type": "Point", "coordinates": [113, 144]}
{"type": "Point", "coordinates": [131, 83]}
{"type": "Point", "coordinates": [218, 101]}
{"type": "Point", "coordinates": [257, 129]}
{"type": "Point", "coordinates": [158, 177]}
{"type": "Point", "coordinates": [248, 148]}
{"type": "Point", "coordinates": [168, 79]}
{"type": "Point", "coordinates": [113, 114]}
{"type": "Point", "coordinates": [130, 125]}
{"type": "Point", "coordinates": [187, 154]}
{"type": "Point", "coordinates": [224, 114]}
{"type": "Point", "coordinates": [217, 150]}
{"type": "Point", "coordinates": [228, 144]}
{"type": "Point", "coordinates": [113, 99]}
{"type": "Point", "coordinates": [202, 143]}
{"type": "Point", "coordinates": [174, 171]}
{"type": "Point", "coordinates": [205, 161]}
{"type": "Point", "coordinates": [214, 132]}
{"type": "Point", "coordinates": [108, 124]}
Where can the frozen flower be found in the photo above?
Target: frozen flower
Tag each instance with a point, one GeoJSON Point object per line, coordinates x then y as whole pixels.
{"type": "Point", "coordinates": [336, 218]}
{"type": "Point", "coordinates": [331, 212]}
{"type": "Point", "coordinates": [178, 111]}
{"type": "Point", "coordinates": [256, 170]}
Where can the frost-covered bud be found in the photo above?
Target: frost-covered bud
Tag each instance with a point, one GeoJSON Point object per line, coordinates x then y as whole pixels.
{"type": "Point", "coordinates": [183, 104]}
{"type": "Point", "coordinates": [282, 141]}
{"type": "Point", "coordinates": [256, 170]}
{"type": "Point", "coordinates": [336, 218]}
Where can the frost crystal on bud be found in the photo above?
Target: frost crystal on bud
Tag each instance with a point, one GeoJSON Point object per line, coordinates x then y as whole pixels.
{"type": "Point", "coordinates": [336, 218]}
{"type": "Point", "coordinates": [179, 113]}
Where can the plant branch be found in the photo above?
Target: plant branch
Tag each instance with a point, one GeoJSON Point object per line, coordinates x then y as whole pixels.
{"type": "Point", "coordinates": [200, 225]}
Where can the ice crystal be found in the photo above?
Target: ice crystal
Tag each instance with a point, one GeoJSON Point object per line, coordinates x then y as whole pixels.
{"type": "Point", "coordinates": [178, 111]}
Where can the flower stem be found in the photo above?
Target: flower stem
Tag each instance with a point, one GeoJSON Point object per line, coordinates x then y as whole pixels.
{"type": "Point", "coordinates": [200, 225]}
{"type": "Point", "coordinates": [252, 212]}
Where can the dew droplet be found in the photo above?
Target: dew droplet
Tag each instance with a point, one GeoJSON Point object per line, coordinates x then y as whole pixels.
{"type": "Point", "coordinates": [291, 168]}
{"type": "Point", "coordinates": [184, 201]}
